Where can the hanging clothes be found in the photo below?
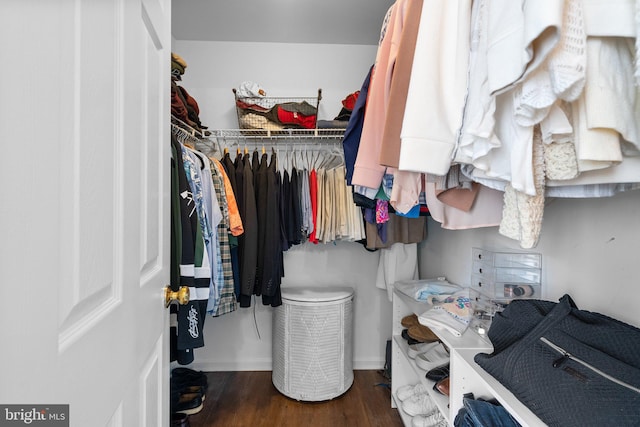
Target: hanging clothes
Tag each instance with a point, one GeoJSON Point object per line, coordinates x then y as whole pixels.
{"type": "Point", "coordinates": [294, 222]}
{"type": "Point", "coordinates": [226, 301]}
{"type": "Point", "coordinates": [230, 169]}
{"type": "Point", "coordinates": [211, 216]}
{"type": "Point", "coordinates": [281, 205]}
{"type": "Point", "coordinates": [499, 76]}
{"type": "Point", "coordinates": [190, 249]}
{"type": "Point", "coordinates": [272, 269]}
{"type": "Point", "coordinates": [247, 242]}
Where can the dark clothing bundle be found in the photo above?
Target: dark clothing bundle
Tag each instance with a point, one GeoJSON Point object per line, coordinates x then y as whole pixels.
{"type": "Point", "coordinates": [260, 257]}
{"type": "Point", "coordinates": [294, 115]}
{"type": "Point", "coordinates": [568, 366]}
{"type": "Point", "coordinates": [185, 107]}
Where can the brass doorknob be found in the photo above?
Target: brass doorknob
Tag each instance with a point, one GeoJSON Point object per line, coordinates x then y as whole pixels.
{"type": "Point", "coordinates": [181, 295]}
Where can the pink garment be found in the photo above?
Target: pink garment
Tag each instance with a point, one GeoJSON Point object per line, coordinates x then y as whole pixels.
{"type": "Point", "coordinates": [368, 171]}
{"type": "Point", "coordinates": [459, 198]}
{"type": "Point", "coordinates": [405, 193]}
{"type": "Point", "coordinates": [399, 87]}
{"type": "Point", "coordinates": [485, 212]}
{"type": "Point", "coordinates": [382, 211]}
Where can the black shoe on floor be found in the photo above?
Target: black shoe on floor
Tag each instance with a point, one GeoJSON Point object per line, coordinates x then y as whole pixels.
{"type": "Point", "coordinates": [180, 420]}
{"type": "Point", "coordinates": [187, 403]}
{"type": "Point", "coordinates": [186, 376]}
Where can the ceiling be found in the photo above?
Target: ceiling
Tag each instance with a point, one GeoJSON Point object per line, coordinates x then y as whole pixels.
{"type": "Point", "coordinates": [356, 22]}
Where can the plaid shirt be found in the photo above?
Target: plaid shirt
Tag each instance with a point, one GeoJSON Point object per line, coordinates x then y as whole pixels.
{"type": "Point", "coordinates": [227, 302]}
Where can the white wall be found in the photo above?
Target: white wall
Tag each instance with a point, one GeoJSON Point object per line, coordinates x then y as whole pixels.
{"type": "Point", "coordinates": [213, 69]}
{"type": "Point", "coordinates": [232, 342]}
{"type": "Point", "coordinates": [299, 70]}
{"type": "Point", "coordinates": [590, 249]}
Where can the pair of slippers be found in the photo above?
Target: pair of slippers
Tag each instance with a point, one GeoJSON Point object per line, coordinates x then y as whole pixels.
{"type": "Point", "coordinates": [416, 331]}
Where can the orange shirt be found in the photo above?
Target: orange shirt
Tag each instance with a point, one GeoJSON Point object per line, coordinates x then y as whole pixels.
{"type": "Point", "coordinates": [235, 222]}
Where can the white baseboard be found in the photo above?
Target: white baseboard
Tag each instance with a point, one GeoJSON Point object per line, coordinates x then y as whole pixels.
{"type": "Point", "coordinates": [368, 365]}
{"type": "Point", "coordinates": [266, 365]}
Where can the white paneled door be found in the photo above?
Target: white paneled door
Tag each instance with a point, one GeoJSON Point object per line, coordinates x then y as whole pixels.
{"type": "Point", "coordinates": [84, 209]}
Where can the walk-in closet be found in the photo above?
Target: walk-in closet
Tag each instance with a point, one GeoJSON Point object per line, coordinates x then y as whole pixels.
{"type": "Point", "coordinates": [352, 212]}
{"type": "Point", "coordinates": [580, 237]}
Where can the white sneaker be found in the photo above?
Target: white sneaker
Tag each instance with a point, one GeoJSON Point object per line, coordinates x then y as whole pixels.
{"type": "Point", "coordinates": [415, 349]}
{"type": "Point", "coordinates": [432, 358]}
{"type": "Point", "coordinates": [406, 391]}
{"type": "Point", "coordinates": [434, 420]}
{"type": "Point", "coordinates": [419, 404]}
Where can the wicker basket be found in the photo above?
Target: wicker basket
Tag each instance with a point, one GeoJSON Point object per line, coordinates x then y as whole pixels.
{"type": "Point", "coordinates": [313, 343]}
{"type": "Point", "coordinates": [277, 113]}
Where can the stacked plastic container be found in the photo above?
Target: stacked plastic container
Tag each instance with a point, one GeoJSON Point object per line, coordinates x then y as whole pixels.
{"type": "Point", "coordinates": [503, 276]}
{"type": "Point", "coordinates": [499, 277]}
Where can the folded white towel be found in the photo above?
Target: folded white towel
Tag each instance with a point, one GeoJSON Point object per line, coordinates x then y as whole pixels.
{"type": "Point", "coordinates": [453, 314]}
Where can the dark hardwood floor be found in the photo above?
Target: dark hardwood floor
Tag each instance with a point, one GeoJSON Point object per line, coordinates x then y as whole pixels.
{"type": "Point", "coordinates": [249, 399]}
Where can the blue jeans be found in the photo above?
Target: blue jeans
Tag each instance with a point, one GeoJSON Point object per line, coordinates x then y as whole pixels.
{"type": "Point", "coordinates": [482, 413]}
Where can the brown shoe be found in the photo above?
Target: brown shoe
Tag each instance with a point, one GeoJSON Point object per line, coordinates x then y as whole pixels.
{"type": "Point", "coordinates": [422, 333]}
{"type": "Point", "coordinates": [409, 321]}
{"type": "Point", "coordinates": [442, 386]}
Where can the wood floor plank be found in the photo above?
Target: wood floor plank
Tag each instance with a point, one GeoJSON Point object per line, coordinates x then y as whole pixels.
{"type": "Point", "coordinates": [249, 398]}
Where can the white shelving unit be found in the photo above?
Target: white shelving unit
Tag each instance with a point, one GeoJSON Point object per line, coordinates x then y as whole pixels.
{"type": "Point", "coordinates": [471, 378]}
{"type": "Point", "coordinates": [466, 375]}
{"type": "Point", "coordinates": [412, 372]}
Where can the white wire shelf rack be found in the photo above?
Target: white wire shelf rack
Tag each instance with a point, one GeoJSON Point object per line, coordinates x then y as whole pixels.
{"type": "Point", "coordinates": [303, 135]}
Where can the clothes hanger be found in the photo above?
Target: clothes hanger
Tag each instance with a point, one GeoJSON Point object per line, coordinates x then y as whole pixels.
{"type": "Point", "coordinates": [326, 156]}
{"type": "Point", "coordinates": [337, 157]}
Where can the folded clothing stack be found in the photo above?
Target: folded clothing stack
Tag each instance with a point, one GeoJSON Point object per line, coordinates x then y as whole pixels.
{"type": "Point", "coordinates": [452, 313]}
{"type": "Point", "coordinates": [183, 106]}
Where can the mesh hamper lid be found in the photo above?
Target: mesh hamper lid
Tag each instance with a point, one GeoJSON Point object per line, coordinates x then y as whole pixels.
{"type": "Point", "coordinates": [316, 294]}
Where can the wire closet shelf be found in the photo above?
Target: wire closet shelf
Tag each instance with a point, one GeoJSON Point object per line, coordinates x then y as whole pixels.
{"type": "Point", "coordinates": [291, 135]}
{"type": "Point", "coordinates": [278, 117]}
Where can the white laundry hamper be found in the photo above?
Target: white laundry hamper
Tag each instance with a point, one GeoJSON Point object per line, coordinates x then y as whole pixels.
{"type": "Point", "coordinates": [313, 343]}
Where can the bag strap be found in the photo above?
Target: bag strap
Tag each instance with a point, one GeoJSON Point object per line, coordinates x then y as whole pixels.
{"type": "Point", "coordinates": [569, 300]}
